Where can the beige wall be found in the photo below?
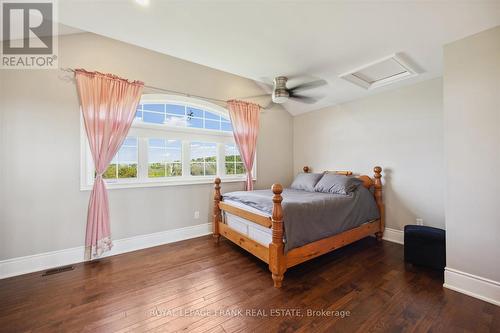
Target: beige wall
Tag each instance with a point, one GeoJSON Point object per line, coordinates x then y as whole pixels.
{"type": "Point", "coordinates": [401, 131]}
{"type": "Point", "coordinates": [472, 149]}
{"type": "Point", "coordinates": [41, 206]}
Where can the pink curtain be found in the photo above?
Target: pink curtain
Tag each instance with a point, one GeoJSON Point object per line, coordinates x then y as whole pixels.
{"type": "Point", "coordinates": [245, 122]}
{"type": "Point", "coordinates": [108, 105]}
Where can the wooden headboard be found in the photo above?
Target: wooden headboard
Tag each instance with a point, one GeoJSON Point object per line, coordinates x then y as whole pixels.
{"type": "Point", "coordinates": [368, 181]}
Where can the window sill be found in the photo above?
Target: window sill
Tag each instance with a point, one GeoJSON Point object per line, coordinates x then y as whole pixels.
{"type": "Point", "coordinates": [170, 182]}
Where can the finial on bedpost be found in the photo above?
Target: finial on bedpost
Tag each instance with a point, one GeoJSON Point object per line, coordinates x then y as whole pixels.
{"type": "Point", "coordinates": [377, 185]}
{"type": "Point", "coordinates": [277, 264]}
{"type": "Point", "coordinates": [217, 212]}
{"type": "Point", "coordinates": [306, 169]}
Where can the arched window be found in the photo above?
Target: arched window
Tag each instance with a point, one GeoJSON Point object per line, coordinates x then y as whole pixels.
{"type": "Point", "coordinates": [174, 140]}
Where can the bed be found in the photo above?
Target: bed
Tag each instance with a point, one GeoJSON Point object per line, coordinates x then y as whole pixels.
{"type": "Point", "coordinates": [305, 225]}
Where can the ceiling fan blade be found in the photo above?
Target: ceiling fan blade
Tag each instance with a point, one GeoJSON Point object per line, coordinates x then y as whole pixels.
{"type": "Point", "coordinates": [303, 99]}
{"type": "Point", "coordinates": [309, 85]}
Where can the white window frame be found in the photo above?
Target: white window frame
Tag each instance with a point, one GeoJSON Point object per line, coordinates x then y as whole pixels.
{"type": "Point", "coordinates": [143, 131]}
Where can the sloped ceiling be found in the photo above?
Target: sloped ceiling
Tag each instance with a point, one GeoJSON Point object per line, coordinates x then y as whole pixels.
{"type": "Point", "coordinates": [304, 39]}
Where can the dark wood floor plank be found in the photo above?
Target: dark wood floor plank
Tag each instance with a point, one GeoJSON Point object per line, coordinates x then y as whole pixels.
{"type": "Point", "coordinates": [120, 294]}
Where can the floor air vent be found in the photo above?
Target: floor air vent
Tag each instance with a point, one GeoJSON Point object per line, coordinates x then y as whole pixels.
{"type": "Point", "coordinates": [382, 72]}
{"type": "Point", "coordinates": [58, 270]}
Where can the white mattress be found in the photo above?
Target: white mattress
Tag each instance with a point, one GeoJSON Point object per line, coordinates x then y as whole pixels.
{"type": "Point", "coordinates": [258, 233]}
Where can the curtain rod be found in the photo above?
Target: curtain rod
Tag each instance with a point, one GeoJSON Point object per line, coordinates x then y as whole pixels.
{"type": "Point", "coordinates": [71, 70]}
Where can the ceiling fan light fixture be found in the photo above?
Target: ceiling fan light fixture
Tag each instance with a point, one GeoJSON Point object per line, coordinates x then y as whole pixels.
{"type": "Point", "coordinates": [280, 92]}
{"type": "Point", "coordinates": [280, 96]}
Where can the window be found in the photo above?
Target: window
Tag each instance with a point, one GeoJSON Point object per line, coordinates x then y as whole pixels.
{"type": "Point", "coordinates": [173, 141]}
{"type": "Point", "coordinates": [232, 160]}
{"type": "Point", "coordinates": [182, 116]}
{"type": "Point", "coordinates": [124, 164]}
{"type": "Point", "coordinates": [203, 158]}
{"type": "Point", "coordinates": [164, 158]}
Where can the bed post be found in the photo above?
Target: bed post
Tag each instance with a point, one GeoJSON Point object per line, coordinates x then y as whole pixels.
{"type": "Point", "coordinates": [217, 211]}
{"type": "Point", "coordinates": [306, 169]}
{"type": "Point", "coordinates": [378, 198]}
{"type": "Point", "coordinates": [277, 264]}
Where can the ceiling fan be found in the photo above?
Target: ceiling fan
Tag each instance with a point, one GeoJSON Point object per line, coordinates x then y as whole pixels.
{"type": "Point", "coordinates": [281, 93]}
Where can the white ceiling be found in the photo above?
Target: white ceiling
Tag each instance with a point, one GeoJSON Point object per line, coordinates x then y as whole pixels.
{"type": "Point", "coordinates": [320, 39]}
{"type": "Point", "coordinates": [62, 29]}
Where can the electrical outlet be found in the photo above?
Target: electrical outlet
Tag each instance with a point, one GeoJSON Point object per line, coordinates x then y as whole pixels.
{"type": "Point", "coordinates": [420, 221]}
{"type": "Point", "coordinates": [196, 215]}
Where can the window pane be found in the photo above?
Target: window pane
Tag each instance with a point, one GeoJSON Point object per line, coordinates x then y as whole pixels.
{"type": "Point", "coordinates": [210, 115]}
{"type": "Point", "coordinates": [226, 127]}
{"type": "Point", "coordinates": [127, 170]}
{"type": "Point", "coordinates": [195, 122]}
{"type": "Point", "coordinates": [203, 158]}
{"type": "Point", "coordinates": [154, 107]}
{"type": "Point", "coordinates": [124, 163]}
{"type": "Point", "coordinates": [175, 109]}
{"type": "Point", "coordinates": [127, 154]}
{"type": "Point", "coordinates": [138, 113]}
{"type": "Point", "coordinates": [155, 118]}
{"type": "Point", "coordinates": [197, 169]}
{"type": "Point", "coordinates": [158, 143]}
{"type": "Point", "coordinates": [193, 112]}
{"type": "Point", "coordinates": [230, 152]}
{"type": "Point", "coordinates": [156, 170]}
{"type": "Point", "coordinates": [173, 155]}
{"type": "Point", "coordinates": [230, 168]}
{"type": "Point", "coordinates": [197, 152]}
{"type": "Point", "coordinates": [240, 168]}
{"type": "Point", "coordinates": [176, 121]}
{"type": "Point", "coordinates": [110, 172]}
{"type": "Point", "coordinates": [210, 168]}
{"type": "Point", "coordinates": [130, 141]}
{"type": "Point", "coordinates": [212, 124]}
{"type": "Point", "coordinates": [203, 151]}
{"type": "Point", "coordinates": [156, 155]}
{"type": "Point", "coordinates": [164, 158]}
{"type": "Point", "coordinates": [234, 166]}
{"type": "Point", "coordinates": [173, 169]}
{"type": "Point", "coordinates": [211, 159]}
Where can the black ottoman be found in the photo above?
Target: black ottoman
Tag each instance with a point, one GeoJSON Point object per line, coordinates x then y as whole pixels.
{"type": "Point", "coordinates": [425, 246]}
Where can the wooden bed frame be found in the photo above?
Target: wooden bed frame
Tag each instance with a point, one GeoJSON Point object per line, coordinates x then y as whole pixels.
{"type": "Point", "coordinates": [274, 254]}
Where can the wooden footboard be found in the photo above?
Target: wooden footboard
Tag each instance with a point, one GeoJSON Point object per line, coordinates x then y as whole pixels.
{"type": "Point", "coordinates": [274, 253]}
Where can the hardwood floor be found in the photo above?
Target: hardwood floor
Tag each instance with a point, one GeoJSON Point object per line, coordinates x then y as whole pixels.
{"type": "Point", "coordinates": [153, 290]}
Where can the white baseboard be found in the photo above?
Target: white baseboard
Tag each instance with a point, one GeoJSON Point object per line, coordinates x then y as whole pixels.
{"type": "Point", "coordinates": [42, 261]}
{"type": "Point", "coordinates": [472, 285]}
{"type": "Point", "coordinates": [394, 235]}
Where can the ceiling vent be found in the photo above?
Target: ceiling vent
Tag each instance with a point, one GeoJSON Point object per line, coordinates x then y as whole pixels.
{"type": "Point", "coordinates": [382, 72]}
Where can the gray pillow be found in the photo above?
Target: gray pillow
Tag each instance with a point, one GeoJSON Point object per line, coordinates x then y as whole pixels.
{"type": "Point", "coordinates": [337, 184]}
{"type": "Point", "coordinates": [306, 181]}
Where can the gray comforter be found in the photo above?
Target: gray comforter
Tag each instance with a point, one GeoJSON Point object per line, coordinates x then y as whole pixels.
{"type": "Point", "coordinates": [310, 216]}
